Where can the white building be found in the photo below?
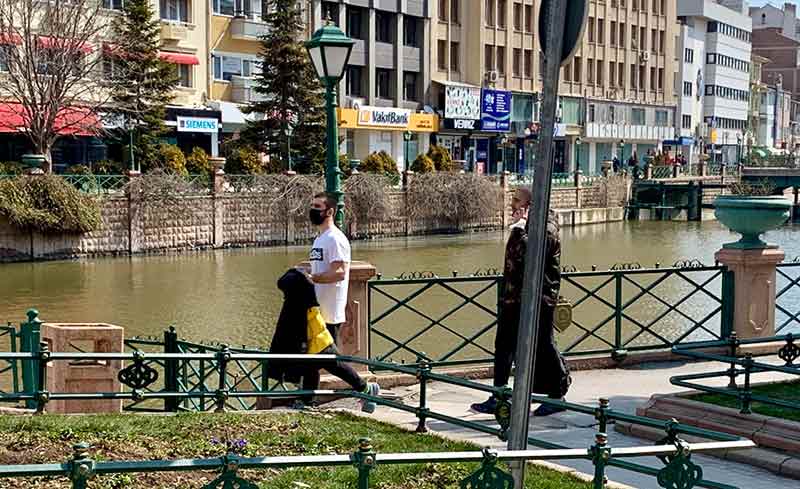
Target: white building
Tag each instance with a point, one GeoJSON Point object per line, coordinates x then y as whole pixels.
{"type": "Point", "coordinates": [714, 79]}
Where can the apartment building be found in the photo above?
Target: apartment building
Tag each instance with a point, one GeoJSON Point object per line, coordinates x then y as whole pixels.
{"type": "Point", "coordinates": [713, 114]}
{"type": "Point", "coordinates": [384, 91]}
{"type": "Point", "coordinates": [771, 17]}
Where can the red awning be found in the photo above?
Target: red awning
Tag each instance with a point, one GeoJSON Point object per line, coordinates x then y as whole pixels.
{"type": "Point", "coordinates": [10, 38]}
{"type": "Point", "coordinates": [56, 43]}
{"type": "Point", "coordinates": [70, 121]}
{"type": "Point", "coordinates": [179, 58]}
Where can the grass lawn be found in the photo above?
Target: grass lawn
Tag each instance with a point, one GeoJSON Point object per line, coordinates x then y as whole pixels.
{"type": "Point", "coordinates": [49, 438]}
{"type": "Point", "coordinates": [785, 391]}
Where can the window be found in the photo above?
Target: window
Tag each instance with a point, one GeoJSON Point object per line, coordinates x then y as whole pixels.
{"type": "Point", "coordinates": [686, 122]}
{"type": "Point", "coordinates": [501, 14]}
{"type": "Point", "coordinates": [643, 38]}
{"type": "Point", "coordinates": [490, 18]}
{"type": "Point", "coordinates": [662, 118]}
{"type": "Point", "coordinates": [661, 79]}
{"type": "Point", "coordinates": [410, 25]}
{"type": "Point", "coordinates": [568, 72]}
{"type": "Point", "coordinates": [516, 63]}
{"type": "Point", "coordinates": [577, 64]}
{"type": "Point", "coordinates": [620, 74]}
{"type": "Point", "coordinates": [652, 78]}
{"type": "Point", "coordinates": [600, 73]}
{"type": "Point", "coordinates": [454, 14]}
{"type": "Point", "coordinates": [641, 78]}
{"type": "Point", "coordinates": [601, 31]}
{"type": "Point", "coordinates": [612, 114]}
{"type": "Point", "coordinates": [613, 33]}
{"type": "Point", "coordinates": [113, 4]}
{"type": "Point", "coordinates": [354, 81]}
{"type": "Point", "coordinates": [226, 67]}
{"type": "Point", "coordinates": [184, 75]}
{"type": "Point", "coordinates": [355, 22]}
{"type": "Point", "coordinates": [517, 16]}
{"type": "Point", "coordinates": [688, 55]}
{"type": "Point", "coordinates": [383, 81]}
{"type": "Point", "coordinates": [441, 54]}
{"type": "Point", "coordinates": [488, 57]}
{"type": "Point", "coordinates": [663, 8]}
{"type": "Point", "coordinates": [687, 89]}
{"type": "Point", "coordinates": [224, 7]}
{"type": "Point", "coordinates": [637, 117]}
{"type": "Point", "coordinates": [634, 71]}
{"type": "Point", "coordinates": [383, 27]}
{"type": "Point", "coordinates": [528, 18]}
{"type": "Point", "coordinates": [711, 59]}
{"type": "Point", "coordinates": [655, 7]}
{"type": "Point", "coordinates": [501, 60]}
{"type": "Point", "coordinates": [590, 29]}
{"type": "Point", "coordinates": [454, 48]}
{"type": "Point", "coordinates": [709, 90]}
{"type": "Point", "coordinates": [590, 72]}
{"type": "Point", "coordinates": [661, 41]}
{"type": "Point", "coordinates": [654, 40]}
{"type": "Point", "coordinates": [529, 63]}
{"type": "Point", "coordinates": [443, 9]}
{"type": "Point", "coordinates": [612, 74]}
{"type": "Point", "coordinates": [621, 38]}
{"type": "Point", "coordinates": [590, 115]}
{"type": "Point", "coordinates": [410, 86]}
{"type": "Point", "coordinates": [175, 10]}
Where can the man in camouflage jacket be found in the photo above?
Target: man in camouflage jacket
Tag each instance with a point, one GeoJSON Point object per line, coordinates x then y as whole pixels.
{"type": "Point", "coordinates": [552, 375]}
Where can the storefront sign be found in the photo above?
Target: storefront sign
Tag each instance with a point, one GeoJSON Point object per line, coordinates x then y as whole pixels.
{"type": "Point", "coordinates": [198, 124]}
{"type": "Point", "coordinates": [463, 124]}
{"type": "Point", "coordinates": [495, 110]}
{"type": "Point", "coordinates": [462, 102]}
{"type": "Point", "coordinates": [383, 117]}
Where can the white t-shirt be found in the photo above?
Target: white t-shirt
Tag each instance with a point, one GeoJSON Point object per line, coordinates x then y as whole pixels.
{"type": "Point", "coordinates": [329, 247]}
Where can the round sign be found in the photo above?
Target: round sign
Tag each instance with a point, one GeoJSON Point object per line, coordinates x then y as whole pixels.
{"type": "Point", "coordinates": [574, 25]}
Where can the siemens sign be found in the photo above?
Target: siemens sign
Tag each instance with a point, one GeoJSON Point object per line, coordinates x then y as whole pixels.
{"type": "Point", "coordinates": [198, 124]}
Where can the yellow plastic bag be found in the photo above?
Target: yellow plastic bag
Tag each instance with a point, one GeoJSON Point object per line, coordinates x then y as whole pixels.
{"type": "Point", "coordinates": [319, 337]}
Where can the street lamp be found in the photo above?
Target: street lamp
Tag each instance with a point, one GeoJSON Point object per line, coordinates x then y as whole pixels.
{"type": "Point", "coordinates": [738, 148]}
{"type": "Point", "coordinates": [622, 151]}
{"type": "Point", "coordinates": [329, 49]}
{"type": "Point", "coordinates": [578, 143]}
{"type": "Point", "coordinates": [407, 138]}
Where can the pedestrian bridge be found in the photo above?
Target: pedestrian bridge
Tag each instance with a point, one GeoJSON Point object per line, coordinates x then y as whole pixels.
{"type": "Point", "coordinates": [781, 177]}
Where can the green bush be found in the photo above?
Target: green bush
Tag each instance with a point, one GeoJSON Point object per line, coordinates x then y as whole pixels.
{"type": "Point", "coordinates": [243, 160]}
{"type": "Point", "coordinates": [422, 164]}
{"type": "Point", "coordinates": [441, 159]}
{"type": "Point", "coordinates": [107, 167]}
{"type": "Point", "coordinates": [47, 204]}
{"type": "Point", "coordinates": [381, 163]}
{"type": "Point", "coordinates": [197, 162]}
{"type": "Point", "coordinates": [11, 168]}
{"type": "Point", "coordinates": [78, 170]}
{"type": "Point", "coordinates": [170, 159]}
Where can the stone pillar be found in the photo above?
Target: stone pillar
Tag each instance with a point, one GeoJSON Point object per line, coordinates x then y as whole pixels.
{"type": "Point", "coordinates": [354, 334]}
{"type": "Point", "coordinates": [87, 377]}
{"type": "Point", "coordinates": [676, 171]}
{"type": "Point", "coordinates": [702, 168]}
{"type": "Point", "coordinates": [754, 289]}
{"type": "Point", "coordinates": [135, 216]}
{"type": "Point", "coordinates": [218, 196]}
{"type": "Point", "coordinates": [648, 172]}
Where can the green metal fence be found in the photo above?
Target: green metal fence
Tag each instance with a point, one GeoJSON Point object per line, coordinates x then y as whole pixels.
{"type": "Point", "coordinates": [662, 171]}
{"type": "Point", "coordinates": [452, 320]}
{"type": "Point", "coordinates": [140, 377]}
{"type": "Point", "coordinates": [742, 364]}
{"type": "Point", "coordinates": [787, 297]}
{"type": "Point", "coordinates": [10, 368]}
{"type": "Point", "coordinates": [98, 184]}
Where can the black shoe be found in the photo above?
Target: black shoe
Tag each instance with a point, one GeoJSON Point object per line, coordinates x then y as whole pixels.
{"type": "Point", "coordinates": [547, 410]}
{"type": "Point", "coordinates": [486, 407]}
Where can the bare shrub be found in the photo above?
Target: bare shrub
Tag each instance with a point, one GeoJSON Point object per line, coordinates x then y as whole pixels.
{"type": "Point", "coordinates": [453, 199]}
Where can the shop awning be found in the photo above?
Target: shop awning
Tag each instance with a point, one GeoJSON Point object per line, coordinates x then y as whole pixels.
{"type": "Point", "coordinates": [179, 58]}
{"type": "Point", "coordinates": [70, 121]}
{"type": "Point", "coordinates": [59, 43]}
{"type": "Point", "coordinates": [7, 38]}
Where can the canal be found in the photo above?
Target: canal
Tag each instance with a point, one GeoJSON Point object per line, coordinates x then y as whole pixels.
{"type": "Point", "coordinates": [230, 295]}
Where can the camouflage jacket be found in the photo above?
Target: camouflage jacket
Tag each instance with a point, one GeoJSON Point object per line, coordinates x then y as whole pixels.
{"type": "Point", "coordinates": [514, 266]}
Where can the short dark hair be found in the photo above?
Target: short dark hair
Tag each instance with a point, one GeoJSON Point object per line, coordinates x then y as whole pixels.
{"type": "Point", "coordinates": [330, 200]}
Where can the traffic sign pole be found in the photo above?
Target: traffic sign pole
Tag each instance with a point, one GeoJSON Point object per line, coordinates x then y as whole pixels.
{"type": "Point", "coordinates": [553, 16]}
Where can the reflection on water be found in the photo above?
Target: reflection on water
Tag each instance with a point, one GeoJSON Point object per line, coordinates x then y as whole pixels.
{"type": "Point", "coordinates": [230, 295]}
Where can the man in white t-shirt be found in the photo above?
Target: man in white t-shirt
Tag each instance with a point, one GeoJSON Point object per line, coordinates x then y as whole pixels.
{"type": "Point", "coordinates": [330, 272]}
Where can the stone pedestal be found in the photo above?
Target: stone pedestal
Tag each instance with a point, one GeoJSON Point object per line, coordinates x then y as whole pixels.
{"type": "Point", "coordinates": [754, 289]}
{"type": "Point", "coordinates": [78, 376]}
{"type": "Point", "coordinates": [354, 334]}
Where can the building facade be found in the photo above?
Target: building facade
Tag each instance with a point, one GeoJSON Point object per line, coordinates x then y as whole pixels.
{"type": "Point", "coordinates": [782, 19]}
{"type": "Point", "coordinates": [715, 42]}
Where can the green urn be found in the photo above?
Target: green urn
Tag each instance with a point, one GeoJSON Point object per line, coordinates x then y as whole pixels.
{"type": "Point", "coordinates": [750, 216]}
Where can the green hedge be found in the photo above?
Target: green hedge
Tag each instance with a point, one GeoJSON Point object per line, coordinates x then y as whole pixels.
{"type": "Point", "coordinates": [47, 204]}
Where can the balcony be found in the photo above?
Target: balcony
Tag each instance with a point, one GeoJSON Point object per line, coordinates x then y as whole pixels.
{"type": "Point", "coordinates": [243, 90]}
{"type": "Point", "coordinates": [173, 31]}
{"type": "Point", "coordinates": [247, 29]}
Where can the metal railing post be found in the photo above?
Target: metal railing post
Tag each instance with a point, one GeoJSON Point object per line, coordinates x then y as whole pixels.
{"type": "Point", "coordinates": [81, 466]}
{"type": "Point", "coordinates": [728, 304]}
{"type": "Point", "coordinates": [733, 348]}
{"type": "Point", "coordinates": [223, 357]}
{"type": "Point", "coordinates": [601, 415]}
{"type": "Point", "coordinates": [42, 396]}
{"type": "Point", "coordinates": [171, 370]}
{"type": "Point", "coordinates": [601, 454]}
{"type": "Point", "coordinates": [618, 314]}
{"type": "Point", "coordinates": [364, 460]}
{"type": "Point", "coordinates": [422, 375]}
{"type": "Point", "coordinates": [746, 396]}
{"type": "Point", "coordinates": [30, 334]}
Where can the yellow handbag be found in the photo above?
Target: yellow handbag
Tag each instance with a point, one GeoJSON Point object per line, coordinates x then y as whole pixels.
{"type": "Point", "coordinates": [319, 337]}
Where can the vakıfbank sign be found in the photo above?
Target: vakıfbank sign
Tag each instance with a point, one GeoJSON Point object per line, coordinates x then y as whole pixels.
{"type": "Point", "coordinates": [383, 117]}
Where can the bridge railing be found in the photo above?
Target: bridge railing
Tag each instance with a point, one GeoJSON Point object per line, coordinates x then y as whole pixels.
{"type": "Point", "coordinates": [451, 320]}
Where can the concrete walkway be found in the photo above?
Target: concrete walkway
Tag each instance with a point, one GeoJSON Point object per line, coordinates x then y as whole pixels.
{"type": "Point", "coordinates": [627, 388]}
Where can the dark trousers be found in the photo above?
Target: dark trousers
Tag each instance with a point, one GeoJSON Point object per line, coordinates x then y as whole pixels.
{"type": "Point", "coordinates": [338, 369]}
{"type": "Point", "coordinates": [551, 375]}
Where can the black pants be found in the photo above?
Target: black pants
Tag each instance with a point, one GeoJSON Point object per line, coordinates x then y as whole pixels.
{"type": "Point", "coordinates": [339, 369]}
{"type": "Point", "coordinates": [552, 376]}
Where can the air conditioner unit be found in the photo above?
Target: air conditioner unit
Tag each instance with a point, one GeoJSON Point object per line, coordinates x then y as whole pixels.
{"type": "Point", "coordinates": [492, 76]}
{"type": "Point", "coordinates": [644, 56]}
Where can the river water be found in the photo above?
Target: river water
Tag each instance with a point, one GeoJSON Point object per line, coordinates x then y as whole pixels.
{"type": "Point", "coordinates": [230, 295]}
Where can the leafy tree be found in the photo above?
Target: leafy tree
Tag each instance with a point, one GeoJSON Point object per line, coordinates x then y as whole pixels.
{"type": "Point", "coordinates": [142, 83]}
{"type": "Point", "coordinates": [422, 164]}
{"type": "Point", "coordinates": [441, 159]}
{"type": "Point", "coordinates": [293, 101]}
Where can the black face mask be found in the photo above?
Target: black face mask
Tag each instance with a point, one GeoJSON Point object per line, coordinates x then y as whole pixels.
{"type": "Point", "coordinates": [317, 216]}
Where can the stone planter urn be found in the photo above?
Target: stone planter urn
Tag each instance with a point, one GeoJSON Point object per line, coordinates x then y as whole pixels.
{"type": "Point", "coordinates": [750, 216]}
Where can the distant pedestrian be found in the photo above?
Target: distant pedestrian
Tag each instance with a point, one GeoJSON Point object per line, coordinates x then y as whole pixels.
{"type": "Point", "coordinates": [552, 375]}
{"type": "Point", "coordinates": [616, 165]}
{"type": "Point", "coordinates": [633, 165]}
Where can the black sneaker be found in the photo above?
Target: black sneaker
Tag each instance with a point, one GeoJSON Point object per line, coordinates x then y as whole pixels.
{"type": "Point", "coordinates": [547, 410]}
{"type": "Point", "coordinates": [486, 407]}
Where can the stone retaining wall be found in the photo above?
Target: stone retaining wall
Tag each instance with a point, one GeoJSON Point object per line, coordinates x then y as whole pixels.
{"type": "Point", "coordinates": [225, 219]}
